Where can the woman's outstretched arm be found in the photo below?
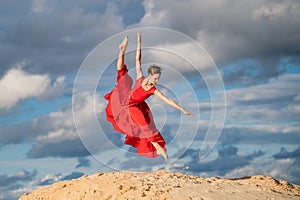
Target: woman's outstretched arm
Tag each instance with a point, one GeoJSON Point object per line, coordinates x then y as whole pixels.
{"type": "Point", "coordinates": [139, 72]}
{"type": "Point", "coordinates": [171, 102]}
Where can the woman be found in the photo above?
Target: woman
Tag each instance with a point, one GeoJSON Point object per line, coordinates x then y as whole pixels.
{"type": "Point", "coordinates": [128, 111]}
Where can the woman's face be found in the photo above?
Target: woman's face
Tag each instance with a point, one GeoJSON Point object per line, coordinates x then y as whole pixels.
{"type": "Point", "coordinates": [153, 78]}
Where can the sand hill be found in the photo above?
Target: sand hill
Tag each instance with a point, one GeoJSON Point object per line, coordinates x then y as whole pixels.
{"type": "Point", "coordinates": [164, 185]}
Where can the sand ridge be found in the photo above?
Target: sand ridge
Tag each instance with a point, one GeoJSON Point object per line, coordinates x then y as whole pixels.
{"type": "Point", "coordinates": [161, 185]}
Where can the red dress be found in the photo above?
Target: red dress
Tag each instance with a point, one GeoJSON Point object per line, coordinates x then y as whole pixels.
{"type": "Point", "coordinates": [129, 114]}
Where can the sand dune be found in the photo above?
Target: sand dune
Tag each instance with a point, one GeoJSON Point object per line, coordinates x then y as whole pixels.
{"type": "Point", "coordinates": [165, 185]}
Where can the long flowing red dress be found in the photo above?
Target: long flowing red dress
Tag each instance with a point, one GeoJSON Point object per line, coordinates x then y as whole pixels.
{"type": "Point", "coordinates": [129, 114]}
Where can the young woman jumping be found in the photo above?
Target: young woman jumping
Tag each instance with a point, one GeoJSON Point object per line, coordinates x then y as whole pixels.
{"type": "Point", "coordinates": [128, 111]}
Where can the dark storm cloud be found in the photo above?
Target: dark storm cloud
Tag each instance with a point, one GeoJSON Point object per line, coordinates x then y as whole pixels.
{"type": "Point", "coordinates": [227, 160]}
{"type": "Point", "coordinates": [55, 134]}
{"type": "Point", "coordinates": [232, 31]}
{"type": "Point", "coordinates": [16, 134]}
{"type": "Point", "coordinates": [22, 175]}
{"type": "Point", "coordinates": [131, 10]}
{"type": "Point", "coordinates": [25, 131]}
{"type": "Point", "coordinates": [58, 177]}
{"type": "Point", "coordinates": [12, 186]}
{"type": "Point", "coordinates": [283, 154]}
{"type": "Point", "coordinates": [83, 162]}
{"type": "Point", "coordinates": [54, 37]}
{"type": "Point", "coordinates": [294, 168]}
{"type": "Point", "coordinates": [192, 153]}
{"type": "Point", "coordinates": [252, 72]}
{"type": "Point", "coordinates": [140, 163]}
{"type": "Point", "coordinates": [11, 183]}
{"type": "Point", "coordinates": [71, 148]}
{"type": "Point", "coordinates": [73, 175]}
{"type": "Point", "coordinates": [253, 135]}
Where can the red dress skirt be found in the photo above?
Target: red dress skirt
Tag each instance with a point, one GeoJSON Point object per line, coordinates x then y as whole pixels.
{"type": "Point", "coordinates": [129, 114]}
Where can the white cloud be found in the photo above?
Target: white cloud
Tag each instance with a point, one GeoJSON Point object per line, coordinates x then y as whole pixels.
{"type": "Point", "coordinates": [152, 16]}
{"type": "Point", "coordinates": [273, 102]}
{"type": "Point", "coordinates": [56, 89]}
{"type": "Point", "coordinates": [57, 131]}
{"type": "Point", "coordinates": [231, 30]}
{"type": "Point", "coordinates": [17, 85]}
{"type": "Point", "coordinates": [279, 169]}
{"type": "Point", "coordinates": [57, 136]}
{"type": "Point", "coordinates": [62, 126]}
{"type": "Point", "coordinates": [280, 87]}
{"type": "Point", "coordinates": [180, 61]}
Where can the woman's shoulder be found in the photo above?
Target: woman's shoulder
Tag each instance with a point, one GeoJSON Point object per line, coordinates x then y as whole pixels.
{"type": "Point", "coordinates": [152, 89]}
{"type": "Point", "coordinates": [141, 79]}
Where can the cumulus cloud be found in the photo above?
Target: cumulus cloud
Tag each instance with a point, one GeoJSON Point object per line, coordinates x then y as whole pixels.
{"type": "Point", "coordinates": [290, 164]}
{"type": "Point", "coordinates": [286, 154]}
{"type": "Point", "coordinates": [227, 37]}
{"type": "Point", "coordinates": [58, 149]}
{"type": "Point", "coordinates": [6, 180]}
{"type": "Point", "coordinates": [253, 72]}
{"type": "Point", "coordinates": [284, 169]}
{"type": "Point", "coordinates": [83, 162]}
{"type": "Point", "coordinates": [60, 134]}
{"type": "Point", "coordinates": [212, 23]}
{"type": "Point", "coordinates": [275, 101]}
{"type": "Point", "coordinates": [227, 159]}
{"type": "Point", "coordinates": [73, 175]}
{"type": "Point", "coordinates": [49, 179]}
{"type": "Point", "coordinates": [75, 29]}
{"type": "Point", "coordinates": [265, 134]}
{"type": "Point", "coordinates": [23, 181]}
{"type": "Point", "coordinates": [55, 134]}
{"type": "Point", "coordinates": [9, 183]}
{"type": "Point", "coordinates": [14, 134]}
{"type": "Point", "coordinates": [17, 85]}
{"type": "Point", "coordinates": [268, 92]}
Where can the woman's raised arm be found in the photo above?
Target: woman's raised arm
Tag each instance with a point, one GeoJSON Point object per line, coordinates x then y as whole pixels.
{"type": "Point", "coordinates": [139, 72]}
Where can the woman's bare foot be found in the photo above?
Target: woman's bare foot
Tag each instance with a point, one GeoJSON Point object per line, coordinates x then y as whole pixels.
{"type": "Point", "coordinates": [163, 154]}
{"type": "Point", "coordinates": [124, 43]}
{"type": "Point", "coordinates": [160, 151]}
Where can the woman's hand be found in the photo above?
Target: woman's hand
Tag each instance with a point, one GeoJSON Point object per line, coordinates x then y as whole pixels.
{"type": "Point", "coordinates": [187, 113]}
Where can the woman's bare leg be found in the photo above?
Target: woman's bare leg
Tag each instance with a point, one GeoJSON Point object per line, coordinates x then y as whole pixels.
{"type": "Point", "coordinates": [160, 150]}
{"type": "Point", "coordinates": [122, 47]}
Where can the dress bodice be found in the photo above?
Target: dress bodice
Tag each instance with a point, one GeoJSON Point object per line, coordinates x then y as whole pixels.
{"type": "Point", "coordinates": [138, 93]}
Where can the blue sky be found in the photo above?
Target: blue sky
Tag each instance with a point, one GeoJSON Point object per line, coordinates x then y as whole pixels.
{"type": "Point", "coordinates": [254, 44]}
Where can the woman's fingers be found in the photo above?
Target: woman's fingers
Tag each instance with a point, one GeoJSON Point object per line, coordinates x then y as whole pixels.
{"type": "Point", "coordinates": [188, 113]}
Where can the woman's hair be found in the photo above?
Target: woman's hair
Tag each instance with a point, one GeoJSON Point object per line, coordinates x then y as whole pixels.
{"type": "Point", "coordinates": [154, 69]}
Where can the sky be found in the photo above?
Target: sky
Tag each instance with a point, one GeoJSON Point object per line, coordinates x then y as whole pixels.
{"type": "Point", "coordinates": [234, 64]}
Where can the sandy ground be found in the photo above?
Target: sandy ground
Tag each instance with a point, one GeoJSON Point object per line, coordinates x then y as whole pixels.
{"type": "Point", "coordinates": [165, 185]}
